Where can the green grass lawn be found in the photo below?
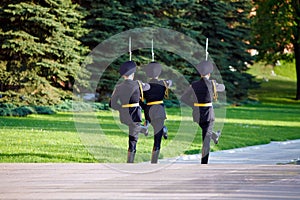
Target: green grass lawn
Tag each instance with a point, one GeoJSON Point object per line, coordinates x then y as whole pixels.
{"type": "Point", "coordinates": [99, 137]}
{"type": "Point", "coordinates": [41, 138]}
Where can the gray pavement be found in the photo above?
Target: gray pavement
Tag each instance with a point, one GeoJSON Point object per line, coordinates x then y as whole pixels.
{"type": "Point", "coordinates": [45, 181]}
{"type": "Point", "coordinates": [272, 153]}
{"type": "Point", "coordinates": [254, 177]}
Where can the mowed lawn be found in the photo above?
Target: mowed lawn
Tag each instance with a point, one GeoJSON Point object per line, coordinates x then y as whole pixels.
{"type": "Point", "coordinates": [99, 137]}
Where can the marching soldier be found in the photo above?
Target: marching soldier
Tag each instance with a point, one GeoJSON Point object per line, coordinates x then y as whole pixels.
{"type": "Point", "coordinates": [126, 98]}
{"type": "Point", "coordinates": [200, 96]}
{"type": "Point", "coordinates": [154, 107]}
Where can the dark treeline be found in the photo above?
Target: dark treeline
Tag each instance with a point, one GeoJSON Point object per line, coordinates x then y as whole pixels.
{"type": "Point", "coordinates": [45, 42]}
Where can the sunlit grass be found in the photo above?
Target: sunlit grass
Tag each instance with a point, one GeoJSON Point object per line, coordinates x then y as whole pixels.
{"type": "Point", "coordinates": [41, 138]}
{"type": "Point", "coordinates": [248, 122]}
{"type": "Point", "coordinates": [59, 138]}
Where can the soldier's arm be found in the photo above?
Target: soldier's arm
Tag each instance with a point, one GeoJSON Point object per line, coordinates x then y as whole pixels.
{"type": "Point", "coordinates": [187, 97]}
{"type": "Point", "coordinates": [114, 101]}
{"type": "Point", "coordinates": [220, 87]}
{"type": "Point", "coordinates": [169, 83]}
{"type": "Point", "coordinates": [145, 86]}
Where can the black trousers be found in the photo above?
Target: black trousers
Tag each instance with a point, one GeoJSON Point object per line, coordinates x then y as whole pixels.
{"type": "Point", "coordinates": [158, 125]}
{"type": "Point", "coordinates": [207, 128]}
{"type": "Point", "coordinates": [134, 130]}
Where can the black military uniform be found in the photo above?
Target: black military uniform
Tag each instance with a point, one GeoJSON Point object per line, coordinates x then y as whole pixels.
{"type": "Point", "coordinates": [154, 106]}
{"type": "Point", "coordinates": [200, 97]}
{"type": "Point", "coordinates": [126, 98]}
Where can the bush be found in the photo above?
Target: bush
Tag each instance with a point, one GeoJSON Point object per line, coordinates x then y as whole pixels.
{"type": "Point", "coordinates": [171, 103]}
{"type": "Point", "coordinates": [22, 111]}
{"type": "Point", "coordinates": [44, 110]}
{"type": "Point", "coordinates": [7, 106]}
{"type": "Point", "coordinates": [7, 109]}
{"type": "Point", "coordinates": [5, 112]}
{"type": "Point", "coordinates": [79, 106]}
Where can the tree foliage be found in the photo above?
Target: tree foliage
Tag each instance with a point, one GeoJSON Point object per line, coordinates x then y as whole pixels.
{"type": "Point", "coordinates": [41, 43]}
{"type": "Point", "coordinates": [276, 29]}
{"type": "Point", "coordinates": [225, 23]}
{"type": "Point", "coordinates": [40, 52]}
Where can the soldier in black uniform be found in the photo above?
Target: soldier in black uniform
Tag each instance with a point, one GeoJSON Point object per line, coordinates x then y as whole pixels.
{"type": "Point", "coordinates": [200, 97]}
{"type": "Point", "coordinates": [126, 99]}
{"type": "Point", "coordinates": [154, 107]}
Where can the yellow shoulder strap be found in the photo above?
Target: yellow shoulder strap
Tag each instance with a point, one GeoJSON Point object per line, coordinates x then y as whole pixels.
{"type": "Point", "coordinates": [215, 90]}
{"type": "Point", "coordinates": [167, 90]}
{"type": "Point", "coordinates": [141, 91]}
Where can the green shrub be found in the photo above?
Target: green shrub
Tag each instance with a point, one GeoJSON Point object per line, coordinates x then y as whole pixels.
{"type": "Point", "coordinates": [22, 111]}
{"type": "Point", "coordinates": [171, 103]}
{"type": "Point", "coordinates": [79, 106]}
{"type": "Point", "coordinates": [65, 106]}
{"type": "Point", "coordinates": [7, 106]}
{"type": "Point", "coordinates": [5, 112]}
{"type": "Point", "coordinates": [7, 109]}
{"type": "Point", "coordinates": [44, 110]}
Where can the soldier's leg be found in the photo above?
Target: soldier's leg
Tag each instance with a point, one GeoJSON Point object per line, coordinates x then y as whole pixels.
{"type": "Point", "coordinates": [132, 141]}
{"type": "Point", "coordinates": [206, 137]}
{"type": "Point", "coordinates": [158, 125]}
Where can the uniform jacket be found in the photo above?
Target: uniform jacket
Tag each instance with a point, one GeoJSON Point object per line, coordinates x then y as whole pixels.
{"type": "Point", "coordinates": [128, 92]}
{"type": "Point", "coordinates": [201, 91]}
{"type": "Point", "coordinates": [155, 93]}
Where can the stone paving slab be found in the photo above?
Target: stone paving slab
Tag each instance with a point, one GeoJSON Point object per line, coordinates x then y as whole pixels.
{"type": "Point", "coordinates": [148, 181]}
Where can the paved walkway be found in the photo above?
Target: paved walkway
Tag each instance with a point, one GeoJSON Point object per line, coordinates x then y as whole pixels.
{"type": "Point", "coordinates": [176, 181]}
{"type": "Point", "coordinates": [272, 153]}
{"type": "Point", "coordinates": [243, 173]}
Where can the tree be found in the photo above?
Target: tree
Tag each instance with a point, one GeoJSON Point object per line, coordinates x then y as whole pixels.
{"type": "Point", "coordinates": [225, 23]}
{"type": "Point", "coordinates": [104, 19]}
{"type": "Point", "coordinates": [40, 52]}
{"type": "Point", "coordinates": [276, 28]}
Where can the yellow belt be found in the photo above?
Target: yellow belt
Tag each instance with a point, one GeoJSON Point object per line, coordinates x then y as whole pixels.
{"type": "Point", "coordinates": [202, 104]}
{"type": "Point", "coordinates": [154, 103]}
{"type": "Point", "coordinates": [130, 105]}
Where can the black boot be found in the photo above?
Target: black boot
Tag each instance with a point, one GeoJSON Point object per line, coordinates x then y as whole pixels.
{"type": "Point", "coordinates": [204, 159]}
{"type": "Point", "coordinates": [215, 136]}
{"type": "Point", "coordinates": [155, 154]}
{"type": "Point", "coordinates": [165, 132]}
{"type": "Point", "coordinates": [130, 156]}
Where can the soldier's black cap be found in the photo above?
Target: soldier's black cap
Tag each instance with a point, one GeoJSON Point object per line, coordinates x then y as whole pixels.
{"type": "Point", "coordinates": [205, 67]}
{"type": "Point", "coordinates": [127, 68]}
{"type": "Point", "coordinates": [153, 69]}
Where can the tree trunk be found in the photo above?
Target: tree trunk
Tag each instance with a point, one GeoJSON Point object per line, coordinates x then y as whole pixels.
{"type": "Point", "coordinates": [296, 43]}
{"type": "Point", "coordinates": [297, 57]}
